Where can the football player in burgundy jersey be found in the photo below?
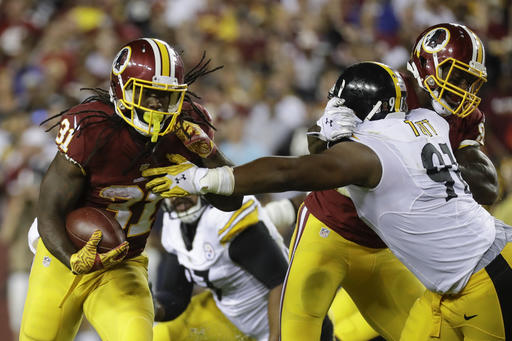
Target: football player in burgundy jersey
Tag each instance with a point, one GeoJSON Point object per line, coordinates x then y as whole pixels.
{"type": "Point", "coordinates": [103, 145]}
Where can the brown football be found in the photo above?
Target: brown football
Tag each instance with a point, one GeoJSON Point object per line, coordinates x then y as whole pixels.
{"type": "Point", "coordinates": [82, 222]}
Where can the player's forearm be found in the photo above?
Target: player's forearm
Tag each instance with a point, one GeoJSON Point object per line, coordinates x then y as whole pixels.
{"type": "Point", "coordinates": [224, 203]}
{"type": "Point", "coordinates": [274, 298]}
{"type": "Point", "coordinates": [482, 181]}
{"type": "Point", "coordinates": [59, 193]}
{"type": "Point", "coordinates": [315, 145]}
{"type": "Point", "coordinates": [280, 174]}
{"type": "Point", "coordinates": [480, 174]}
{"type": "Point", "coordinates": [51, 228]}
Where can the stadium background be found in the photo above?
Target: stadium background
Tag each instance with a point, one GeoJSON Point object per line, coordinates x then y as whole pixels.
{"type": "Point", "coordinates": [279, 57]}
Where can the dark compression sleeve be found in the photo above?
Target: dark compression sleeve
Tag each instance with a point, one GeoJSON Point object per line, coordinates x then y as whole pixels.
{"type": "Point", "coordinates": [255, 251]}
{"type": "Point", "coordinates": [172, 291]}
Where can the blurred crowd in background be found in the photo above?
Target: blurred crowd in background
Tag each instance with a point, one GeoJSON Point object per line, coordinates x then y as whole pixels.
{"type": "Point", "coordinates": [279, 60]}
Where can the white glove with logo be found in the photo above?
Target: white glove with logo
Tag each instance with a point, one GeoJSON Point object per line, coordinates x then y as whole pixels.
{"type": "Point", "coordinates": [337, 122]}
{"type": "Point", "coordinates": [181, 179]}
{"type": "Point", "coordinates": [184, 178]}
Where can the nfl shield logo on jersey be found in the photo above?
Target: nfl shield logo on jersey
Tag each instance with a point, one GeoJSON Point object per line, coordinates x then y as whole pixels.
{"type": "Point", "coordinates": [209, 252]}
{"type": "Point", "coordinates": [324, 232]}
{"type": "Point", "coordinates": [46, 261]}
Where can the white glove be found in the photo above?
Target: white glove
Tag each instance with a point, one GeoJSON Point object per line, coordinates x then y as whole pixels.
{"type": "Point", "coordinates": [179, 180]}
{"type": "Point", "coordinates": [337, 121]}
{"type": "Point", "coordinates": [184, 178]}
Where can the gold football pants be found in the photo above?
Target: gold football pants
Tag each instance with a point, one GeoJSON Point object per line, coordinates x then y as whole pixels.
{"type": "Point", "coordinates": [481, 311]}
{"type": "Point", "coordinates": [201, 321]}
{"type": "Point", "coordinates": [321, 261]}
{"type": "Point", "coordinates": [117, 301]}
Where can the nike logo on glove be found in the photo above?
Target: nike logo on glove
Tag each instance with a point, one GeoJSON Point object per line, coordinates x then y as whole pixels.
{"type": "Point", "coordinates": [469, 317]}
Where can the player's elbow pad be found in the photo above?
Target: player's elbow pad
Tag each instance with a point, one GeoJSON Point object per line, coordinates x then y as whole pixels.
{"type": "Point", "coordinates": [173, 305]}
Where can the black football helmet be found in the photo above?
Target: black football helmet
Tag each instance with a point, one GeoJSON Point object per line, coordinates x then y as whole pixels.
{"type": "Point", "coordinates": [371, 89]}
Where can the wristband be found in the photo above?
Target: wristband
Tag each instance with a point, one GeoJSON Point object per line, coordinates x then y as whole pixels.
{"type": "Point", "coordinates": [219, 180]}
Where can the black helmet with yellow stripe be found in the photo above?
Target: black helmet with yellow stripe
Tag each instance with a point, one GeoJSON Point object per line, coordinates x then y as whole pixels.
{"type": "Point", "coordinates": [371, 89]}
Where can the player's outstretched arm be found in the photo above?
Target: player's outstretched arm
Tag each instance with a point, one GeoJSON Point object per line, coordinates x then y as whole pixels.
{"type": "Point", "coordinates": [60, 190]}
{"type": "Point", "coordinates": [344, 164]}
{"type": "Point", "coordinates": [479, 172]}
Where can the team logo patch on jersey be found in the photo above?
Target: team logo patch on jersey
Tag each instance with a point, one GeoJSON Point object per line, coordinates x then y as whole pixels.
{"type": "Point", "coordinates": [46, 261]}
{"type": "Point", "coordinates": [324, 232]}
{"type": "Point", "coordinates": [209, 252]}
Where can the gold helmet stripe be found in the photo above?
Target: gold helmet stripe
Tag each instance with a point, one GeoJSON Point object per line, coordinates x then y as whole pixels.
{"type": "Point", "coordinates": [394, 77]}
{"type": "Point", "coordinates": [164, 57]}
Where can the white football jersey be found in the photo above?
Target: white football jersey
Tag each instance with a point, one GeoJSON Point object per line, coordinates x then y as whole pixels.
{"type": "Point", "coordinates": [239, 295]}
{"type": "Point", "coordinates": [422, 208]}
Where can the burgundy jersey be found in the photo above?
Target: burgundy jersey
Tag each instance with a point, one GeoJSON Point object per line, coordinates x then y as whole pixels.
{"type": "Point", "coordinates": [112, 155]}
{"type": "Point", "coordinates": [469, 130]}
{"type": "Point", "coordinates": [339, 213]}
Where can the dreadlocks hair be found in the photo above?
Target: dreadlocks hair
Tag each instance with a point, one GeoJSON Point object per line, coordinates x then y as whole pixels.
{"type": "Point", "coordinates": [102, 96]}
{"type": "Point", "coordinates": [199, 70]}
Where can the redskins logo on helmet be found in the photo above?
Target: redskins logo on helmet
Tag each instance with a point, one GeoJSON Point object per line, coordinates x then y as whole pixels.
{"type": "Point", "coordinates": [448, 61]}
{"type": "Point", "coordinates": [143, 67]}
{"type": "Point", "coordinates": [373, 90]}
{"type": "Point", "coordinates": [436, 40]}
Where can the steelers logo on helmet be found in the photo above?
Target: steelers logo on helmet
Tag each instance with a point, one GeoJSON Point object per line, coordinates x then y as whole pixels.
{"type": "Point", "coordinates": [373, 90]}
{"type": "Point", "coordinates": [147, 86]}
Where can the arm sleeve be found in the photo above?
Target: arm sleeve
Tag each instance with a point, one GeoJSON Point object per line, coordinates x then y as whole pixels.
{"type": "Point", "coordinates": [258, 253]}
{"type": "Point", "coordinates": [173, 290]}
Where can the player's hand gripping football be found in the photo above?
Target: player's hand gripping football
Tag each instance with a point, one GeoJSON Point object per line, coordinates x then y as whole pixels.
{"type": "Point", "coordinates": [87, 259]}
{"type": "Point", "coordinates": [337, 121]}
{"type": "Point", "coordinates": [195, 139]}
{"type": "Point", "coordinates": [179, 180]}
